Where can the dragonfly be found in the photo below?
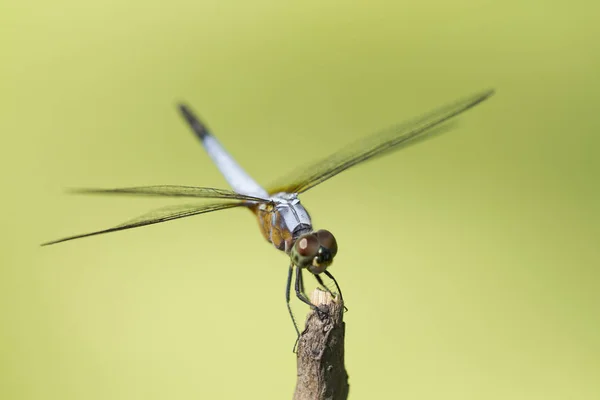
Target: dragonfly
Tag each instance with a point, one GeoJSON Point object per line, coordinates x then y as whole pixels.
{"type": "Point", "coordinates": [282, 219]}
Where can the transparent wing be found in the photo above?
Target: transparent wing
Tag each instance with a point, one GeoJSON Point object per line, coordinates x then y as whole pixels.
{"type": "Point", "coordinates": [173, 191]}
{"type": "Point", "coordinates": [156, 216]}
{"type": "Point", "coordinates": [395, 138]}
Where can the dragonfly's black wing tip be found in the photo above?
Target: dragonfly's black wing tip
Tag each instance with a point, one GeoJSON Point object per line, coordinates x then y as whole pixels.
{"type": "Point", "coordinates": [490, 92]}
{"type": "Point", "coordinates": [45, 244]}
{"type": "Point", "coordinates": [69, 238]}
{"type": "Point", "coordinates": [486, 94]}
{"type": "Point", "coordinates": [79, 190]}
{"type": "Point", "coordinates": [479, 98]}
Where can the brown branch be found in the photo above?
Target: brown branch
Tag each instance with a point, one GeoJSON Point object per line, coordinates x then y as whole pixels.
{"type": "Point", "coordinates": [320, 363]}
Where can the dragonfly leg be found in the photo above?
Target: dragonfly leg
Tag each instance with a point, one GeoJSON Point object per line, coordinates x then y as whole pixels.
{"type": "Point", "coordinates": [320, 280]}
{"type": "Point", "coordinates": [322, 284]}
{"type": "Point", "coordinates": [299, 286]}
{"type": "Point", "coordinates": [287, 299]}
{"type": "Point", "coordinates": [336, 285]}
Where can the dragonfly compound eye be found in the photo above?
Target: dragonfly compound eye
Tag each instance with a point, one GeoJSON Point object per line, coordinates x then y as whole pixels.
{"type": "Point", "coordinates": [305, 250]}
{"type": "Point", "coordinates": [327, 240]}
{"type": "Point", "coordinates": [308, 246]}
{"type": "Point", "coordinates": [326, 249]}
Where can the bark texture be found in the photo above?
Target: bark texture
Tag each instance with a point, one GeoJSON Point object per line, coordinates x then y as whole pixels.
{"type": "Point", "coordinates": [320, 354]}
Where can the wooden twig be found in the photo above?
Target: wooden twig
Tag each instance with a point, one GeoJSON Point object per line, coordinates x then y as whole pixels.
{"type": "Point", "coordinates": [321, 371]}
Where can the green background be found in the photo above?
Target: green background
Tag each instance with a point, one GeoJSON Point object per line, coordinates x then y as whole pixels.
{"type": "Point", "coordinates": [469, 263]}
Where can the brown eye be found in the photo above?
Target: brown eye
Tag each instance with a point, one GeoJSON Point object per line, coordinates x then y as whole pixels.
{"type": "Point", "coordinates": [327, 240]}
{"type": "Point", "coordinates": [308, 246]}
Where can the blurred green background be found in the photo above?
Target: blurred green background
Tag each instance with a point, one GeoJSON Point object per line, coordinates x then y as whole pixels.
{"type": "Point", "coordinates": [469, 263]}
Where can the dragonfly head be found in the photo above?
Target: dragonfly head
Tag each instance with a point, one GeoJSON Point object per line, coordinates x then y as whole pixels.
{"type": "Point", "coordinates": [314, 251]}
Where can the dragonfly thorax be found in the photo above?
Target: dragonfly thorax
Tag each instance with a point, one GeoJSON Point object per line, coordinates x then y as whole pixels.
{"type": "Point", "coordinates": [292, 215]}
{"type": "Point", "coordinates": [283, 220]}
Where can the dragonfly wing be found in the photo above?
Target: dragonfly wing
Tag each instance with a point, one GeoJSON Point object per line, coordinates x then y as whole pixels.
{"type": "Point", "coordinates": [174, 191]}
{"type": "Point", "coordinates": [156, 216]}
{"type": "Point", "coordinates": [392, 139]}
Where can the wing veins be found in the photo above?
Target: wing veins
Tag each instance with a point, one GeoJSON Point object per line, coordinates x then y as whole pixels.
{"type": "Point", "coordinates": [391, 139]}
{"type": "Point", "coordinates": [156, 216]}
{"type": "Point", "coordinates": [172, 191]}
